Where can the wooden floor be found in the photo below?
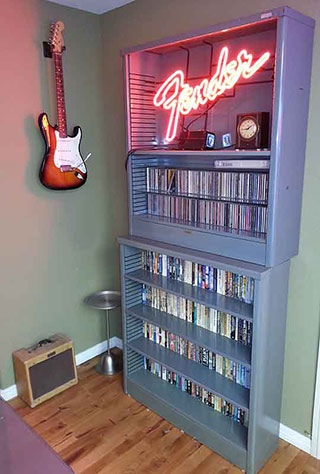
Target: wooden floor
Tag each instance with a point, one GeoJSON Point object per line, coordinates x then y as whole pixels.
{"type": "Point", "coordinates": [96, 428]}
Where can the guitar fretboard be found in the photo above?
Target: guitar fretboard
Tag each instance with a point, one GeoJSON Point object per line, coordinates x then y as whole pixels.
{"type": "Point", "coordinates": [61, 106]}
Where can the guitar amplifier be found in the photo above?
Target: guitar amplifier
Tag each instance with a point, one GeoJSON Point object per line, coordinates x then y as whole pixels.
{"type": "Point", "coordinates": [45, 369]}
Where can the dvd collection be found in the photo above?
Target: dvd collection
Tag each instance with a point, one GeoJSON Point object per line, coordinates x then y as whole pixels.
{"type": "Point", "coordinates": [208, 278]}
{"type": "Point", "coordinates": [208, 398]}
{"type": "Point", "coordinates": [234, 371]}
{"type": "Point", "coordinates": [203, 276]}
{"type": "Point", "coordinates": [235, 200]}
{"type": "Point", "coordinates": [215, 321]}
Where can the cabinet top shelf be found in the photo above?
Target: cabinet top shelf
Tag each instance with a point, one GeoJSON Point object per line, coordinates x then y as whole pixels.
{"type": "Point", "coordinates": [204, 258]}
{"type": "Point", "coordinates": [225, 154]}
{"type": "Point", "coordinates": [252, 20]}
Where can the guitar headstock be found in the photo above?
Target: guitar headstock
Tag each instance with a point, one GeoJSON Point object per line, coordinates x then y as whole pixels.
{"type": "Point", "coordinates": [56, 38]}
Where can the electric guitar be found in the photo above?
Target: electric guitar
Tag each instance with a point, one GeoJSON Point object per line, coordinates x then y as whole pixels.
{"type": "Point", "coordinates": [63, 166]}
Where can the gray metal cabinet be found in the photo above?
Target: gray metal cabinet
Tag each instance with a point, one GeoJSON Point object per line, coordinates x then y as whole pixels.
{"type": "Point", "coordinates": [282, 90]}
{"type": "Point", "coordinates": [246, 446]}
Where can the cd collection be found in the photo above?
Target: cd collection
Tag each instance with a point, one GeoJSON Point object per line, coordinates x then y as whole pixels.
{"type": "Point", "coordinates": [233, 200]}
{"type": "Point", "coordinates": [251, 187]}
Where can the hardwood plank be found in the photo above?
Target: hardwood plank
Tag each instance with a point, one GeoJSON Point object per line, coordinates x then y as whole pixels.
{"type": "Point", "coordinates": [298, 463]}
{"type": "Point", "coordinates": [97, 429]}
{"type": "Point", "coordinates": [213, 464]}
{"type": "Point", "coordinates": [115, 441]}
{"type": "Point", "coordinates": [204, 461]}
{"type": "Point", "coordinates": [138, 459]}
{"type": "Point", "coordinates": [122, 445]}
{"type": "Point", "coordinates": [280, 460]}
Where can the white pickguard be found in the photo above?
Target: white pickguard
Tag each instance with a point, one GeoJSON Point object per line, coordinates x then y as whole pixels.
{"type": "Point", "coordinates": [68, 153]}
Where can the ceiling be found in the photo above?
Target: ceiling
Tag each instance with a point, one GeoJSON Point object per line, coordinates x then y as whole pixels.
{"type": "Point", "coordinates": [93, 6]}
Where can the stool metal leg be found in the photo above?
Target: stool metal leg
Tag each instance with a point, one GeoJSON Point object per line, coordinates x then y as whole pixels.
{"type": "Point", "coordinates": [108, 330]}
{"type": "Point", "coordinates": [110, 363]}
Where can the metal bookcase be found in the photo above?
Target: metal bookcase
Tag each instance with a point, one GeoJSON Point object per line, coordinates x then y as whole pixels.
{"type": "Point", "coordinates": [282, 90]}
{"type": "Point", "coordinates": [246, 446]}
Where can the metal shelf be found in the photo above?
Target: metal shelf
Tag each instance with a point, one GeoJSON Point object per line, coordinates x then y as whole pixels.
{"type": "Point", "coordinates": [212, 229]}
{"type": "Point", "coordinates": [199, 295]}
{"type": "Point", "coordinates": [197, 373]}
{"type": "Point", "coordinates": [233, 435]}
{"type": "Point", "coordinates": [197, 256]}
{"type": "Point", "coordinates": [225, 154]}
{"type": "Point", "coordinates": [224, 346]}
{"type": "Point", "coordinates": [202, 197]}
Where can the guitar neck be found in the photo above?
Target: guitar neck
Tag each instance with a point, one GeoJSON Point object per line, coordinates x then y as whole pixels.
{"type": "Point", "coordinates": [61, 106]}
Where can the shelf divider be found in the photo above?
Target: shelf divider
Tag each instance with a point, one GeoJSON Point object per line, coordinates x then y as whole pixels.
{"type": "Point", "coordinates": [208, 298]}
{"type": "Point", "coordinates": [219, 154]}
{"type": "Point", "coordinates": [201, 197]}
{"type": "Point", "coordinates": [225, 435]}
{"type": "Point", "coordinates": [201, 227]}
{"type": "Point", "coordinates": [252, 270]}
{"type": "Point", "coordinates": [222, 345]}
{"type": "Point", "coordinates": [197, 373]}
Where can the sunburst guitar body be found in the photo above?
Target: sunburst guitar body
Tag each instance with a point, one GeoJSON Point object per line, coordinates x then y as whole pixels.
{"type": "Point", "coordinates": [62, 166]}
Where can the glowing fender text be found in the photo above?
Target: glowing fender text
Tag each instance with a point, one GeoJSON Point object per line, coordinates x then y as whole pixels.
{"type": "Point", "coordinates": [180, 98]}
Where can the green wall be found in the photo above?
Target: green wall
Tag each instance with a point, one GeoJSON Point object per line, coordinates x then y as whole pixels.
{"type": "Point", "coordinates": [146, 20]}
{"type": "Point", "coordinates": [58, 247]}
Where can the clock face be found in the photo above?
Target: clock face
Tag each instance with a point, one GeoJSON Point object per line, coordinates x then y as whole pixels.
{"type": "Point", "coordinates": [248, 128]}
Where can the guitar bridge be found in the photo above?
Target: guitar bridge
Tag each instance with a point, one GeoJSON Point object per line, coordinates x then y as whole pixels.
{"type": "Point", "coordinates": [64, 168]}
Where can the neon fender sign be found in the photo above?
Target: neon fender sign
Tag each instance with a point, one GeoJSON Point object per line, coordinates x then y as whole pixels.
{"type": "Point", "coordinates": [180, 98]}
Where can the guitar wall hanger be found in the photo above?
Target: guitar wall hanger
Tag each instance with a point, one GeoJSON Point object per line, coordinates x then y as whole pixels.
{"type": "Point", "coordinates": [47, 49]}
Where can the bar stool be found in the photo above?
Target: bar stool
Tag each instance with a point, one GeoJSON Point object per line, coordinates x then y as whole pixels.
{"type": "Point", "coordinates": [110, 362]}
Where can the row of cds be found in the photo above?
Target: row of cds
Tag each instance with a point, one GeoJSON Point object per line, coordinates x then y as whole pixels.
{"type": "Point", "coordinates": [241, 186]}
{"type": "Point", "coordinates": [211, 214]}
{"type": "Point", "coordinates": [203, 276]}
{"type": "Point", "coordinates": [234, 371]}
{"type": "Point", "coordinates": [217, 403]}
{"type": "Point", "coordinates": [215, 321]}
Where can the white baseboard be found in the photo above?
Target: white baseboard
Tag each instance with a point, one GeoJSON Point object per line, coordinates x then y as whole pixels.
{"type": "Point", "coordinates": [96, 350]}
{"type": "Point", "coordinates": [8, 393]}
{"type": "Point", "coordinates": [287, 434]}
{"type": "Point", "coordinates": [297, 439]}
{"type": "Point", "coordinates": [81, 358]}
{"type": "Point", "coordinates": [315, 445]}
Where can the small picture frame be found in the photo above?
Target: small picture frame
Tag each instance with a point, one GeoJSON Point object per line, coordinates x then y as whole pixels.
{"type": "Point", "coordinates": [210, 141]}
{"type": "Point", "coordinates": [226, 140]}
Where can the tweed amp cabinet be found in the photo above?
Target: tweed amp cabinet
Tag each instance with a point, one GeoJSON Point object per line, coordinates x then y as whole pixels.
{"type": "Point", "coordinates": [45, 369]}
